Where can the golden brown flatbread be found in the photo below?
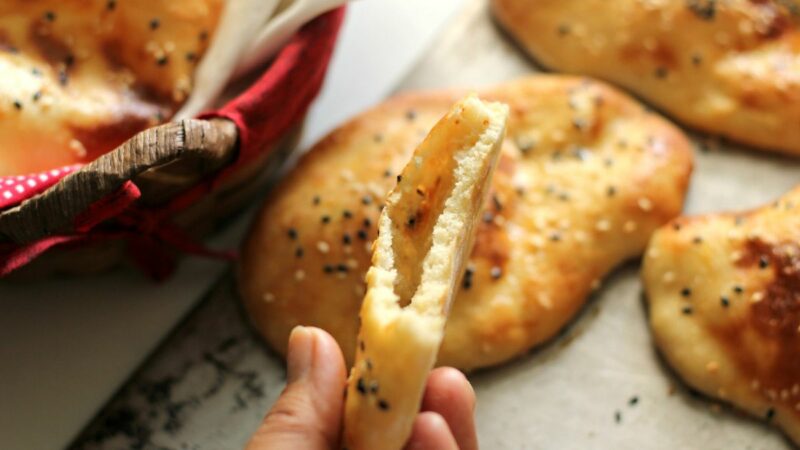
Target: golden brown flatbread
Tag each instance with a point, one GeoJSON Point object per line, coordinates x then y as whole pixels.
{"type": "Point", "coordinates": [724, 296]}
{"type": "Point", "coordinates": [81, 77]}
{"type": "Point", "coordinates": [586, 174]}
{"type": "Point", "coordinates": [727, 67]}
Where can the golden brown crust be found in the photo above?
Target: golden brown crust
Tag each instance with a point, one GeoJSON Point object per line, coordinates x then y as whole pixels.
{"type": "Point", "coordinates": [585, 176]}
{"type": "Point", "coordinates": [724, 294]}
{"type": "Point", "coordinates": [729, 68]}
{"type": "Point", "coordinates": [81, 77]}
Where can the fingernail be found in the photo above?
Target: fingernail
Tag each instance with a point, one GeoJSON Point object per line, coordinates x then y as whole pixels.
{"type": "Point", "coordinates": [300, 353]}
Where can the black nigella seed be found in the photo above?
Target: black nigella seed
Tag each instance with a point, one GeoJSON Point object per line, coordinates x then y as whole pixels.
{"type": "Point", "coordinates": [497, 205]}
{"type": "Point", "coordinates": [367, 223]}
{"type": "Point", "coordinates": [328, 268]}
{"type": "Point", "coordinates": [687, 310]}
{"type": "Point", "coordinates": [36, 72]}
{"type": "Point", "coordinates": [346, 239]}
{"type": "Point", "coordinates": [341, 267]}
{"type": "Point", "coordinates": [611, 191]}
{"type": "Point", "coordinates": [347, 214]}
{"type": "Point", "coordinates": [411, 114]}
{"type": "Point", "coordinates": [617, 416]}
{"type": "Point", "coordinates": [686, 292]}
{"type": "Point", "coordinates": [399, 178]}
{"type": "Point", "coordinates": [496, 272]}
{"type": "Point", "coordinates": [203, 35]}
{"type": "Point", "coordinates": [326, 219]}
{"type": "Point", "coordinates": [69, 60]}
{"type": "Point", "coordinates": [488, 217]}
{"type": "Point", "coordinates": [36, 96]}
{"type": "Point", "coordinates": [361, 387]}
{"type": "Point", "coordinates": [383, 405]}
{"type": "Point", "coordinates": [362, 235]}
{"type": "Point", "coordinates": [724, 301]}
{"type": "Point", "coordinates": [361, 345]}
{"type": "Point", "coordinates": [770, 413]}
{"type": "Point", "coordinates": [676, 226]}
{"type": "Point", "coordinates": [154, 24]}
{"type": "Point", "coordinates": [50, 16]}
{"type": "Point", "coordinates": [191, 56]}
{"type": "Point", "coordinates": [373, 387]}
{"type": "Point", "coordinates": [697, 240]}
{"type": "Point", "coordinates": [661, 72]}
{"type": "Point", "coordinates": [162, 61]}
{"type": "Point", "coordinates": [387, 173]}
{"type": "Point", "coordinates": [634, 400]}
{"type": "Point", "coordinates": [298, 253]}
{"type": "Point", "coordinates": [411, 221]}
{"type": "Point", "coordinates": [111, 4]}
{"type": "Point", "coordinates": [366, 200]}
{"type": "Point", "coordinates": [315, 201]}
{"type": "Point", "coordinates": [292, 233]}
{"type": "Point", "coordinates": [763, 262]}
{"type": "Point", "coordinates": [738, 289]}
{"type": "Point", "coordinates": [555, 237]}
{"type": "Point", "coordinates": [563, 30]}
{"type": "Point", "coordinates": [18, 105]}
{"type": "Point", "coordinates": [697, 59]}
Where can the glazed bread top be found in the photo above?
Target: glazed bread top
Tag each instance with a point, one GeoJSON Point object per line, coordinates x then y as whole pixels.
{"type": "Point", "coordinates": [81, 77]}
{"type": "Point", "coordinates": [727, 67]}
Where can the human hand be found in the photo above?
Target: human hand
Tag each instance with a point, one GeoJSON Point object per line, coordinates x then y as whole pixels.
{"type": "Point", "coordinates": [308, 414]}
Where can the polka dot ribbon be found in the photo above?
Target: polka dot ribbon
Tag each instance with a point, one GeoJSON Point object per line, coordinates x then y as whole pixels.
{"type": "Point", "coordinates": [15, 189]}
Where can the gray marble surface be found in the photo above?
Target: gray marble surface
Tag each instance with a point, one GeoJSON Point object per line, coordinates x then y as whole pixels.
{"type": "Point", "coordinates": [207, 386]}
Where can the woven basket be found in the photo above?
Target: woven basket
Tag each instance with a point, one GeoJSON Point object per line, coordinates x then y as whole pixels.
{"type": "Point", "coordinates": [157, 194]}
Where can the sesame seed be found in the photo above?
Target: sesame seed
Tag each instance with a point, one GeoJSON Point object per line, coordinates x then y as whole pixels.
{"type": "Point", "coordinates": [299, 275]}
{"type": "Point", "coordinates": [712, 367]}
{"type": "Point", "coordinates": [373, 387]}
{"type": "Point", "coordinates": [645, 204]}
{"type": "Point", "coordinates": [323, 247]}
{"type": "Point", "coordinates": [488, 217]}
{"type": "Point", "coordinates": [361, 387]}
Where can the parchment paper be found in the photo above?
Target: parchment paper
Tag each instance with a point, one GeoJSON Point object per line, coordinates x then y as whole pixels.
{"type": "Point", "coordinates": [600, 385]}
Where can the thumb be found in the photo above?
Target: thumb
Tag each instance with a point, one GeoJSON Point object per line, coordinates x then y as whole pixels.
{"type": "Point", "coordinates": [308, 414]}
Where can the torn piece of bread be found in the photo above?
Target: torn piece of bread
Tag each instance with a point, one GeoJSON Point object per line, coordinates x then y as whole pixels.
{"type": "Point", "coordinates": [724, 297]}
{"type": "Point", "coordinates": [726, 67]}
{"type": "Point", "coordinates": [425, 234]}
{"type": "Point", "coordinates": [585, 176]}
